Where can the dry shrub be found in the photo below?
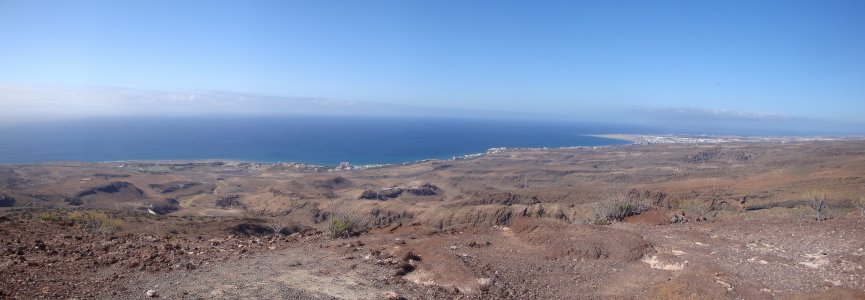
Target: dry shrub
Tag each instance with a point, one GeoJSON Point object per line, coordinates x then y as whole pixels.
{"type": "Point", "coordinates": [47, 216]}
{"type": "Point", "coordinates": [860, 205]}
{"type": "Point", "coordinates": [346, 225]}
{"type": "Point", "coordinates": [95, 221]}
{"type": "Point", "coordinates": [617, 204]}
{"type": "Point", "coordinates": [817, 201]}
{"type": "Point", "coordinates": [696, 207]}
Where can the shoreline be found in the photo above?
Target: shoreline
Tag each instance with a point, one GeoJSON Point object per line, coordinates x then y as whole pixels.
{"type": "Point", "coordinates": [312, 164]}
{"type": "Point", "coordinates": [645, 139]}
{"type": "Point", "coordinates": [631, 139]}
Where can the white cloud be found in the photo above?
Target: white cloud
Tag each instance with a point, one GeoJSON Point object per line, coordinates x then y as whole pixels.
{"type": "Point", "coordinates": [24, 103]}
{"type": "Point", "coordinates": [713, 114]}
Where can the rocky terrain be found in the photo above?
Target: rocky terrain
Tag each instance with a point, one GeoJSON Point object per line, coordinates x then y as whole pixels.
{"type": "Point", "coordinates": [755, 220]}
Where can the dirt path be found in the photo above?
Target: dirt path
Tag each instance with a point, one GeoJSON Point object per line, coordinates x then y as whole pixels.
{"type": "Point", "coordinates": [760, 259]}
{"type": "Point", "coordinates": [305, 272]}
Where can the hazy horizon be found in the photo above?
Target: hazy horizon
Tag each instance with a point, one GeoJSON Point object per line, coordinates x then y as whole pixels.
{"type": "Point", "coordinates": [793, 66]}
{"type": "Point", "coordinates": [29, 104]}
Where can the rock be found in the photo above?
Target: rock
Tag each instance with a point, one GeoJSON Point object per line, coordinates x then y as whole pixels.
{"type": "Point", "coordinates": [485, 283]}
{"type": "Point", "coordinates": [40, 245]}
{"type": "Point", "coordinates": [474, 244]}
{"type": "Point", "coordinates": [410, 256]}
{"type": "Point", "coordinates": [391, 295]}
{"type": "Point", "coordinates": [403, 268]}
{"type": "Point", "coordinates": [150, 293]}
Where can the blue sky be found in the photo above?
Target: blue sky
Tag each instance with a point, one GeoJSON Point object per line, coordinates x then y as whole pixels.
{"type": "Point", "coordinates": [579, 59]}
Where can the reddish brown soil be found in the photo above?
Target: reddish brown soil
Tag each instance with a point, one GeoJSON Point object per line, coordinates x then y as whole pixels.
{"type": "Point", "coordinates": [723, 222]}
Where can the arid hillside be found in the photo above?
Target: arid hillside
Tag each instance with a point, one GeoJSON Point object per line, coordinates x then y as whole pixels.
{"type": "Point", "coordinates": [757, 220]}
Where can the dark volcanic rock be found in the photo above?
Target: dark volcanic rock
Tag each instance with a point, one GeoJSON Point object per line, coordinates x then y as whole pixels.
{"type": "Point", "coordinates": [6, 201]}
{"type": "Point", "coordinates": [331, 183]}
{"type": "Point", "coordinates": [173, 186]}
{"type": "Point", "coordinates": [719, 154]}
{"type": "Point", "coordinates": [168, 206]}
{"type": "Point", "coordinates": [74, 201]}
{"type": "Point", "coordinates": [369, 194]}
{"type": "Point", "coordinates": [318, 216]}
{"type": "Point", "coordinates": [121, 187]}
{"type": "Point", "coordinates": [424, 190]}
{"type": "Point", "coordinates": [382, 194]}
{"type": "Point", "coordinates": [111, 188]}
{"type": "Point", "coordinates": [505, 198]}
{"type": "Point", "coordinates": [108, 175]}
{"type": "Point", "coordinates": [229, 201]}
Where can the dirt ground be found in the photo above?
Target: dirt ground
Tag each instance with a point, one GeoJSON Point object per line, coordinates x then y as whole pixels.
{"type": "Point", "coordinates": [722, 221]}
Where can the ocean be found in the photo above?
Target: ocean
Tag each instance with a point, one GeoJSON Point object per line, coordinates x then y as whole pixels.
{"type": "Point", "coordinates": [307, 139]}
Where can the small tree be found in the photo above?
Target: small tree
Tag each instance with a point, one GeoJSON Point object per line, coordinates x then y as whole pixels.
{"type": "Point", "coordinates": [277, 227]}
{"type": "Point", "coordinates": [817, 201]}
{"type": "Point", "coordinates": [274, 222]}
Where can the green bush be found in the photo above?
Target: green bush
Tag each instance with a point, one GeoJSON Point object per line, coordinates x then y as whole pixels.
{"type": "Point", "coordinates": [46, 216]}
{"type": "Point", "coordinates": [344, 226]}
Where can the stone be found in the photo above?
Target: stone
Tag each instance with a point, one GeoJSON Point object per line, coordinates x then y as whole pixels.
{"type": "Point", "coordinates": [391, 295]}
{"type": "Point", "coordinates": [485, 283]}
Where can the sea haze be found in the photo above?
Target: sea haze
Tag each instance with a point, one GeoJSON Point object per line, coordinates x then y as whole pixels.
{"type": "Point", "coordinates": [315, 140]}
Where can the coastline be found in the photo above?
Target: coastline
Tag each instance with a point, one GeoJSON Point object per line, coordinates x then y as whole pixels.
{"type": "Point", "coordinates": [362, 165]}
{"type": "Point", "coordinates": [642, 139]}
{"type": "Point", "coordinates": [631, 139]}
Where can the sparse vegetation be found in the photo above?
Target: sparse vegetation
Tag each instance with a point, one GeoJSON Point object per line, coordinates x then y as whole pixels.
{"type": "Point", "coordinates": [49, 217]}
{"type": "Point", "coordinates": [277, 226]}
{"type": "Point", "coordinates": [95, 221]}
{"type": "Point", "coordinates": [817, 201]}
{"type": "Point", "coordinates": [382, 194]}
{"type": "Point", "coordinates": [279, 193]}
{"type": "Point", "coordinates": [274, 223]}
{"type": "Point", "coordinates": [229, 201]}
{"type": "Point", "coordinates": [476, 221]}
{"type": "Point", "coordinates": [345, 225]}
{"type": "Point", "coordinates": [616, 205]}
{"type": "Point", "coordinates": [696, 207]}
{"type": "Point", "coordinates": [860, 205]}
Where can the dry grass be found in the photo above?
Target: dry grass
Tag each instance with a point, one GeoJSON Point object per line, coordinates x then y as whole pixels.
{"type": "Point", "coordinates": [95, 221]}
{"type": "Point", "coordinates": [696, 207]}
{"type": "Point", "coordinates": [49, 217]}
{"type": "Point", "coordinates": [860, 205]}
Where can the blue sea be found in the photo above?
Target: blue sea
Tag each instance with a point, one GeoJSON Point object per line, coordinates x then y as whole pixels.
{"type": "Point", "coordinates": [308, 139]}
